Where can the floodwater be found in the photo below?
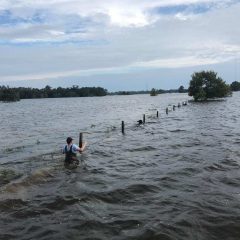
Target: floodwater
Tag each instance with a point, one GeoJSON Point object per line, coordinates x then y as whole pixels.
{"type": "Point", "coordinates": [176, 177]}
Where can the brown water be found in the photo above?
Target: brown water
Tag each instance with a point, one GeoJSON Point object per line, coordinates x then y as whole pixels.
{"type": "Point", "coordinates": [176, 177]}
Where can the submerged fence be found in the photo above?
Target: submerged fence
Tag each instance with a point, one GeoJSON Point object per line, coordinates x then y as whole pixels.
{"type": "Point", "coordinates": [169, 108]}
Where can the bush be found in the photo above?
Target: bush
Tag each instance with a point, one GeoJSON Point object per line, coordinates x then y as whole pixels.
{"type": "Point", "coordinates": [153, 92]}
{"type": "Point", "coordinates": [206, 85]}
{"type": "Point", "coordinates": [235, 86]}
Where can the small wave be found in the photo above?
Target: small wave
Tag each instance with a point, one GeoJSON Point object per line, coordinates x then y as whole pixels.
{"type": "Point", "coordinates": [126, 194]}
{"type": "Point", "coordinates": [119, 195]}
{"type": "Point", "coordinates": [177, 130]}
{"type": "Point", "coordinates": [45, 233]}
{"type": "Point", "coordinates": [93, 229]}
{"type": "Point", "coordinates": [60, 203]}
{"type": "Point", "coordinates": [15, 149]}
{"type": "Point", "coordinates": [98, 171]}
{"type": "Point", "coordinates": [231, 163]}
{"type": "Point", "coordinates": [149, 122]}
{"type": "Point", "coordinates": [168, 179]}
{"type": "Point", "coordinates": [142, 188]}
{"type": "Point", "coordinates": [234, 182]}
{"type": "Point", "coordinates": [150, 234]}
{"type": "Point", "coordinates": [140, 149]}
{"type": "Point", "coordinates": [178, 119]}
{"type": "Point", "coordinates": [192, 144]}
{"type": "Point", "coordinates": [7, 236]}
{"type": "Point", "coordinates": [228, 135]}
{"type": "Point", "coordinates": [215, 167]}
{"type": "Point", "coordinates": [189, 171]}
{"type": "Point", "coordinates": [38, 177]}
{"type": "Point", "coordinates": [11, 163]}
{"type": "Point", "coordinates": [10, 204]}
{"type": "Point", "coordinates": [101, 153]}
{"type": "Point", "coordinates": [30, 213]}
{"type": "Point", "coordinates": [7, 175]}
{"type": "Point", "coordinates": [131, 223]}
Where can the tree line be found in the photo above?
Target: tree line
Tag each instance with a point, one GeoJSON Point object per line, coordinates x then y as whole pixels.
{"type": "Point", "coordinates": [203, 85]}
{"type": "Point", "coordinates": [152, 92]}
{"type": "Point", "coordinates": [15, 94]}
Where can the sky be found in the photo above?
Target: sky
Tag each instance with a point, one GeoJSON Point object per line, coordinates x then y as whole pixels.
{"type": "Point", "coordinates": [118, 45]}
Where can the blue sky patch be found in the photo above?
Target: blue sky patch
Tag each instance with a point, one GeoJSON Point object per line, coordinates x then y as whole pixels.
{"type": "Point", "coordinates": [56, 43]}
{"type": "Point", "coordinates": [172, 10]}
{"type": "Point", "coordinates": [8, 18]}
{"type": "Point", "coordinates": [198, 8]}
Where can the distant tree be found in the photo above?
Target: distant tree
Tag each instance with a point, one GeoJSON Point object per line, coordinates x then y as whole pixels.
{"type": "Point", "coordinates": [205, 85]}
{"type": "Point", "coordinates": [235, 86]}
{"type": "Point", "coordinates": [14, 94]}
{"type": "Point", "coordinates": [153, 92]}
{"type": "Point", "coordinates": [181, 89]}
{"type": "Point", "coordinates": [48, 91]}
{"type": "Point", "coordinates": [160, 91]}
{"type": "Point", "coordinates": [9, 94]}
{"type": "Point", "coordinates": [123, 93]}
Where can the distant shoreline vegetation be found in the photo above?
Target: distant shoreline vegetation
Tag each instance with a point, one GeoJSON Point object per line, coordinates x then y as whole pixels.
{"type": "Point", "coordinates": [8, 94]}
{"type": "Point", "coordinates": [199, 91]}
{"type": "Point", "coordinates": [153, 92]}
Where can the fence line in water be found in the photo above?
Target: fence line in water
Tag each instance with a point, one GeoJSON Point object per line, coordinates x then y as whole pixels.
{"type": "Point", "coordinates": [184, 103]}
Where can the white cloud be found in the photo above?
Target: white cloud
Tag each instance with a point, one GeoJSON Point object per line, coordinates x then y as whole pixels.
{"type": "Point", "coordinates": [227, 53]}
{"type": "Point", "coordinates": [127, 17]}
{"type": "Point", "coordinates": [126, 37]}
{"type": "Point", "coordinates": [121, 13]}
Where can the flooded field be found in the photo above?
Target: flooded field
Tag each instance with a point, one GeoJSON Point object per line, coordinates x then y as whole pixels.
{"type": "Point", "coordinates": [176, 177]}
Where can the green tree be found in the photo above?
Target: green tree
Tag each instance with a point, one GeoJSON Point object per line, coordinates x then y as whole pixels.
{"type": "Point", "coordinates": [14, 94]}
{"type": "Point", "coordinates": [153, 92]}
{"type": "Point", "coordinates": [9, 94]}
{"type": "Point", "coordinates": [181, 89]}
{"type": "Point", "coordinates": [206, 84]}
{"type": "Point", "coordinates": [235, 86]}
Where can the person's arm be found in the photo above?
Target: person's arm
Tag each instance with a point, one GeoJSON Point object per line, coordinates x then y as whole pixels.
{"type": "Point", "coordinates": [78, 149]}
{"type": "Point", "coordinates": [83, 147]}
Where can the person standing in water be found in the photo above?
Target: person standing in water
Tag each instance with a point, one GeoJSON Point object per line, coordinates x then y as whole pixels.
{"type": "Point", "coordinates": [70, 150]}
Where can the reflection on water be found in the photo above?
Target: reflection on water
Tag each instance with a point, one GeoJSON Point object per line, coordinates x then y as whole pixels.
{"type": "Point", "coordinates": [176, 177]}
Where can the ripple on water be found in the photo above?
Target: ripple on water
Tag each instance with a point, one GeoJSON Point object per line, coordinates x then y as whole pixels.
{"type": "Point", "coordinates": [122, 195]}
{"type": "Point", "coordinates": [176, 177]}
{"type": "Point", "coordinates": [8, 175]}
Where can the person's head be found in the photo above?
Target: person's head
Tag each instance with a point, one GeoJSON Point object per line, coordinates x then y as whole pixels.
{"type": "Point", "coordinates": [69, 140]}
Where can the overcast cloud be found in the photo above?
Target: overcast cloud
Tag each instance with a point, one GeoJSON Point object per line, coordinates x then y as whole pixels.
{"type": "Point", "coordinates": [74, 40]}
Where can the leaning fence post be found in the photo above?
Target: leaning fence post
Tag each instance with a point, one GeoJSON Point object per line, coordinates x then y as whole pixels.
{"type": "Point", "coordinates": [80, 140]}
{"type": "Point", "coordinates": [123, 127]}
{"type": "Point", "coordinates": [166, 110]}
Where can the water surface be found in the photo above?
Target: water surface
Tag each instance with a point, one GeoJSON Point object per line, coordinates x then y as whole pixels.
{"type": "Point", "coordinates": [176, 177]}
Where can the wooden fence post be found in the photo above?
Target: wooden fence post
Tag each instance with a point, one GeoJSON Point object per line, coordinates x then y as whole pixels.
{"type": "Point", "coordinates": [123, 127]}
{"type": "Point", "coordinates": [80, 140]}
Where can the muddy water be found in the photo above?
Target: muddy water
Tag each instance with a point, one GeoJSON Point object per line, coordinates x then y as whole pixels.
{"type": "Point", "coordinates": [176, 177]}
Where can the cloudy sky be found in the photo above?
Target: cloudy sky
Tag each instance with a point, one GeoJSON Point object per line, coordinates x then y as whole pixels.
{"type": "Point", "coordinates": [119, 45]}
